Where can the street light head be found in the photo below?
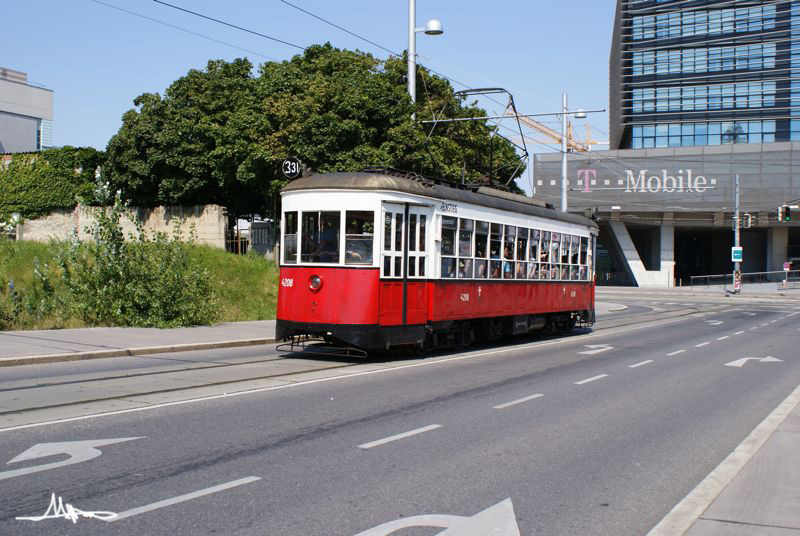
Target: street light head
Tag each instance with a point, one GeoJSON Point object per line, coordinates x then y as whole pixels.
{"type": "Point", "coordinates": [434, 27]}
{"type": "Point", "coordinates": [580, 114]}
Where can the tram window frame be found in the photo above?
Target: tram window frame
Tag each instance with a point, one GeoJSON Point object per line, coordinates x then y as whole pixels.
{"type": "Point", "coordinates": [481, 249]}
{"type": "Point", "coordinates": [466, 232]}
{"type": "Point", "coordinates": [449, 234]}
{"type": "Point", "coordinates": [412, 232]}
{"type": "Point", "coordinates": [290, 223]}
{"type": "Point", "coordinates": [318, 255]}
{"type": "Point", "coordinates": [359, 247]}
{"type": "Point", "coordinates": [522, 244]}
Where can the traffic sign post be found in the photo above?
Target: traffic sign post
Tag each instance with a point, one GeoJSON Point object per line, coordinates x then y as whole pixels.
{"type": "Point", "coordinates": [736, 254]}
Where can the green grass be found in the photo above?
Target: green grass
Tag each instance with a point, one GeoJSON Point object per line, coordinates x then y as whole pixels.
{"type": "Point", "coordinates": [246, 286]}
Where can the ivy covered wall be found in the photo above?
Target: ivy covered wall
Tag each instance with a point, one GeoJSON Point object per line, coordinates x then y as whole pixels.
{"type": "Point", "coordinates": [33, 184]}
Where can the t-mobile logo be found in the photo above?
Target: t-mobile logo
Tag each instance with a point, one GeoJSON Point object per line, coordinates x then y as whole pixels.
{"type": "Point", "coordinates": [587, 175]}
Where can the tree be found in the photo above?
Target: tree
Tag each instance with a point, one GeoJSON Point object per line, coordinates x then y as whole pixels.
{"type": "Point", "coordinates": [219, 135]}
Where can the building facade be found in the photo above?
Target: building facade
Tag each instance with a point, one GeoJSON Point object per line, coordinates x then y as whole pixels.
{"type": "Point", "coordinates": [700, 91]}
{"type": "Point", "coordinates": [26, 114]}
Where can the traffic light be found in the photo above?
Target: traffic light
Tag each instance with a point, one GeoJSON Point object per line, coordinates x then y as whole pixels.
{"type": "Point", "coordinates": [787, 213]}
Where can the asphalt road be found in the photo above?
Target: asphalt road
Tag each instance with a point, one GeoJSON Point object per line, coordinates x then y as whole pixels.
{"type": "Point", "coordinates": [597, 434]}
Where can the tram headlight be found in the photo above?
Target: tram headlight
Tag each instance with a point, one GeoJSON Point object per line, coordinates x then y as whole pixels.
{"type": "Point", "coordinates": [315, 283]}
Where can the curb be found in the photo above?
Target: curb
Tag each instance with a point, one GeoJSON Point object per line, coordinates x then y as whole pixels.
{"type": "Point", "coordinates": [684, 515]}
{"type": "Point", "coordinates": [128, 352]}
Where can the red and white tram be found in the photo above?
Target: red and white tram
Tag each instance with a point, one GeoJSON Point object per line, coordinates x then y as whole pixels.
{"type": "Point", "coordinates": [380, 259]}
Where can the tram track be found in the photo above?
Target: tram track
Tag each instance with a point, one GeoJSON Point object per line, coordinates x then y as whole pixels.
{"type": "Point", "coordinates": [600, 327]}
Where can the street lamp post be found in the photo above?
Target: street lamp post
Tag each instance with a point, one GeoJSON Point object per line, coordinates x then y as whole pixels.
{"type": "Point", "coordinates": [432, 27]}
{"type": "Point", "coordinates": [580, 114]}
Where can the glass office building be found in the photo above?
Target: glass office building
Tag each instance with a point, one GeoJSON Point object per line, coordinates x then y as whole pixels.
{"type": "Point", "coordinates": [704, 72]}
{"type": "Point", "coordinates": [701, 91]}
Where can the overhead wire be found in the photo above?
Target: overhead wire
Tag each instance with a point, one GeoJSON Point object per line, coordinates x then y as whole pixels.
{"type": "Point", "coordinates": [195, 13]}
{"type": "Point", "coordinates": [197, 34]}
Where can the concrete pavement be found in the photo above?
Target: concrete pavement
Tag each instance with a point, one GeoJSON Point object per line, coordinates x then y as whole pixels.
{"type": "Point", "coordinates": [48, 346]}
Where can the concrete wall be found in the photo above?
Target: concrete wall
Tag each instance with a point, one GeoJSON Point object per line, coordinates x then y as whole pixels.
{"type": "Point", "coordinates": [210, 223]}
{"type": "Point", "coordinates": [18, 133]}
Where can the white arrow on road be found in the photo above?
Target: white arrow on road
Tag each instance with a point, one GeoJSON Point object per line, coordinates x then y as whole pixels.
{"type": "Point", "coordinates": [497, 520]}
{"type": "Point", "coordinates": [78, 451]}
{"type": "Point", "coordinates": [741, 362]}
{"type": "Point", "coordinates": [596, 349]}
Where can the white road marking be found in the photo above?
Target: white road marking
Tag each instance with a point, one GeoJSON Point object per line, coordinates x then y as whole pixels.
{"type": "Point", "coordinates": [183, 498]}
{"type": "Point", "coordinates": [640, 364]}
{"type": "Point", "coordinates": [77, 452]}
{"type": "Point", "coordinates": [765, 324]}
{"type": "Point", "coordinates": [754, 327]}
{"type": "Point", "coordinates": [499, 520]}
{"type": "Point", "coordinates": [519, 401]}
{"type": "Point", "coordinates": [743, 361]}
{"type": "Point", "coordinates": [593, 378]}
{"type": "Point", "coordinates": [738, 332]}
{"type": "Point", "coordinates": [389, 439]}
{"type": "Point", "coordinates": [701, 344]}
{"type": "Point", "coordinates": [245, 392]}
{"type": "Point", "coordinates": [722, 338]}
{"type": "Point", "coordinates": [596, 349]}
{"type": "Point", "coordinates": [676, 352]}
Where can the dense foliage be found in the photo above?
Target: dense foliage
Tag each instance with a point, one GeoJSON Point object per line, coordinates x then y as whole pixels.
{"type": "Point", "coordinates": [34, 184]}
{"type": "Point", "coordinates": [219, 135]}
{"type": "Point", "coordinates": [147, 280]}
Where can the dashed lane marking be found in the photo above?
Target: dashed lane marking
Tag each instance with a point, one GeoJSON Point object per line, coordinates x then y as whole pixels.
{"type": "Point", "coordinates": [722, 338]}
{"type": "Point", "coordinates": [676, 352]}
{"type": "Point", "coordinates": [182, 498]}
{"type": "Point", "coordinates": [738, 332]}
{"type": "Point", "coordinates": [593, 378]}
{"type": "Point", "coordinates": [404, 435]}
{"type": "Point", "coordinates": [519, 401]}
{"type": "Point", "coordinates": [701, 344]}
{"type": "Point", "coordinates": [640, 364]}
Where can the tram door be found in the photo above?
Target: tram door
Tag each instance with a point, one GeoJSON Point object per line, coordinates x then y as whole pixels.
{"type": "Point", "coordinates": [404, 264]}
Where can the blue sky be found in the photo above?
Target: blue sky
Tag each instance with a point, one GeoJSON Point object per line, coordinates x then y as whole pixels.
{"type": "Point", "coordinates": [97, 59]}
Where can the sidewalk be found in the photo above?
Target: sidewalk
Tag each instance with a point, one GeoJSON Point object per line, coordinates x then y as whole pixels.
{"type": "Point", "coordinates": [754, 491]}
{"type": "Point", "coordinates": [43, 346]}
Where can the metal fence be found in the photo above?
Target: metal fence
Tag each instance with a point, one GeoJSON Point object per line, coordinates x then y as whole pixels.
{"type": "Point", "coordinates": [781, 279]}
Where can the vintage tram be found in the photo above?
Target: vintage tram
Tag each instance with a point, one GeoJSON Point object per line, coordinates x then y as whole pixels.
{"type": "Point", "coordinates": [381, 259]}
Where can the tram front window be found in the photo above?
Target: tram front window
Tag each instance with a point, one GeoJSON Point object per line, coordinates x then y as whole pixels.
{"type": "Point", "coordinates": [359, 226]}
{"type": "Point", "coordinates": [320, 237]}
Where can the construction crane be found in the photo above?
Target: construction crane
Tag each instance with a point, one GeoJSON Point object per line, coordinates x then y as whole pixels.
{"type": "Point", "coordinates": [573, 144]}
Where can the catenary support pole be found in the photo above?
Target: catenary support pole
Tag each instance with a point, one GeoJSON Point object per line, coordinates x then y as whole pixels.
{"type": "Point", "coordinates": [412, 53]}
{"type": "Point", "coordinates": [564, 152]}
{"type": "Point", "coordinates": [736, 229]}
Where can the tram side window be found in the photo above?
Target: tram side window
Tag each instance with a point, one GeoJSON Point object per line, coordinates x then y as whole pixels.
{"type": "Point", "coordinates": [422, 241]}
{"type": "Point", "coordinates": [481, 249]}
{"type": "Point", "coordinates": [522, 252]}
{"type": "Point", "coordinates": [449, 228]}
{"type": "Point", "coordinates": [544, 256]}
{"type": "Point", "coordinates": [290, 238]}
{"type": "Point", "coordinates": [555, 252]}
{"type": "Point", "coordinates": [359, 231]}
{"type": "Point", "coordinates": [533, 265]}
{"type": "Point", "coordinates": [465, 230]}
{"type": "Point", "coordinates": [320, 237]}
{"type": "Point", "coordinates": [495, 245]}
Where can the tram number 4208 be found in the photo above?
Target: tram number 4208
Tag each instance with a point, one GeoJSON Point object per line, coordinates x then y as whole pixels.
{"type": "Point", "coordinates": [287, 282]}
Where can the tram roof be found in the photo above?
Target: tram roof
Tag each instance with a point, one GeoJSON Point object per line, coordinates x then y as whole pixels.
{"type": "Point", "coordinates": [365, 180]}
